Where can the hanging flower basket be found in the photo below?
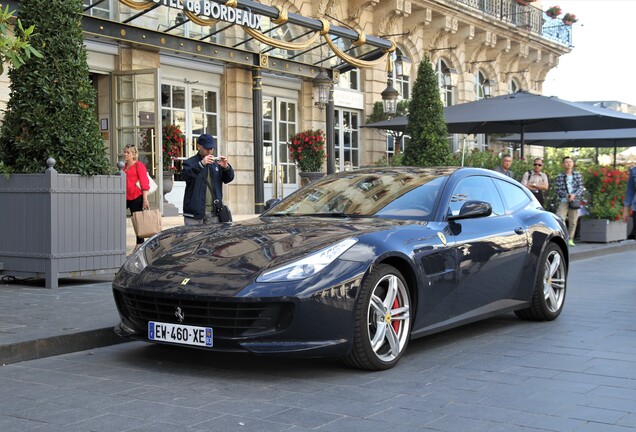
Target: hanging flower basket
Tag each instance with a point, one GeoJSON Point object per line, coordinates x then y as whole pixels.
{"type": "Point", "coordinates": [569, 19]}
{"type": "Point", "coordinates": [553, 12]}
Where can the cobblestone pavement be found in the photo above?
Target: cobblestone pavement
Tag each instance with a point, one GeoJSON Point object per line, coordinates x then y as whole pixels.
{"type": "Point", "coordinates": [577, 373]}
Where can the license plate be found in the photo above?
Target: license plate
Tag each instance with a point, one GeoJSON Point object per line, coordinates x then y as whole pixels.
{"type": "Point", "coordinates": [180, 334]}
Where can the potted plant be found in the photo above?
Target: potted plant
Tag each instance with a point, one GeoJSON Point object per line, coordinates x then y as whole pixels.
{"type": "Point", "coordinates": [605, 191]}
{"type": "Point", "coordinates": [524, 2]}
{"type": "Point", "coordinates": [172, 145]}
{"type": "Point", "coordinates": [172, 139]}
{"type": "Point", "coordinates": [307, 150]}
{"type": "Point", "coordinates": [569, 19]}
{"type": "Point", "coordinates": [68, 218]}
{"type": "Point", "coordinates": [553, 11]}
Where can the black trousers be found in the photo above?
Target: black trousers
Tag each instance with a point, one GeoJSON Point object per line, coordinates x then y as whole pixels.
{"type": "Point", "coordinates": [136, 205]}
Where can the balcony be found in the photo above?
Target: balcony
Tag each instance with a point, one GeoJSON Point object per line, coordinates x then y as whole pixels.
{"type": "Point", "coordinates": [529, 18]}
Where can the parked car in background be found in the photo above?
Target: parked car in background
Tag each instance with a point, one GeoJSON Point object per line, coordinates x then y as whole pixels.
{"type": "Point", "coordinates": [353, 266]}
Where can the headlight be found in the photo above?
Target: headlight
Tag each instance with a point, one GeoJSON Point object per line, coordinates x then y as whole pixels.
{"type": "Point", "coordinates": [137, 261]}
{"type": "Point", "coordinates": [307, 266]}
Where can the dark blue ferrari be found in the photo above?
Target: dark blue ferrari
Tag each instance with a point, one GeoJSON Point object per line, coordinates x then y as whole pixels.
{"type": "Point", "coordinates": [353, 266]}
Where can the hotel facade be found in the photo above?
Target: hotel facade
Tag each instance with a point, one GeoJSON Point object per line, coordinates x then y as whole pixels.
{"type": "Point", "coordinates": [246, 73]}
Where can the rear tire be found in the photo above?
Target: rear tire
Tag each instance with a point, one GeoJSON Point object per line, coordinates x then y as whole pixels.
{"type": "Point", "coordinates": [548, 297]}
{"type": "Point", "coordinates": [382, 320]}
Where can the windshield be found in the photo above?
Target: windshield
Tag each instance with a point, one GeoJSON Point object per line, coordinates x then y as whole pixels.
{"type": "Point", "coordinates": [394, 194]}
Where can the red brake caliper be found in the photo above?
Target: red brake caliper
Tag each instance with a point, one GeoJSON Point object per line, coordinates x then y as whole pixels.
{"type": "Point", "coordinates": [394, 323]}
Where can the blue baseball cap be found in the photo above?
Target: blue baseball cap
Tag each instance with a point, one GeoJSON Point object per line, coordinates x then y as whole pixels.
{"type": "Point", "coordinates": [207, 141]}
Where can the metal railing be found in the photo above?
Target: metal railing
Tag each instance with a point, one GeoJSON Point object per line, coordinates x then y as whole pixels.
{"type": "Point", "coordinates": [529, 18]}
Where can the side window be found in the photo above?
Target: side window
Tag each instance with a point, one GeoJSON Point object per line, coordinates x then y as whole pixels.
{"type": "Point", "coordinates": [514, 196]}
{"type": "Point", "coordinates": [476, 188]}
{"type": "Point", "coordinates": [416, 204]}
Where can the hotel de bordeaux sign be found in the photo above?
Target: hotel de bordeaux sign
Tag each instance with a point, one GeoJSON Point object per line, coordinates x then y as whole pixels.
{"type": "Point", "coordinates": [209, 9]}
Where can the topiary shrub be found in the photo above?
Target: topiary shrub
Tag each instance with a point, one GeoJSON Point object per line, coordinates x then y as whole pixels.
{"type": "Point", "coordinates": [51, 110]}
{"type": "Point", "coordinates": [427, 126]}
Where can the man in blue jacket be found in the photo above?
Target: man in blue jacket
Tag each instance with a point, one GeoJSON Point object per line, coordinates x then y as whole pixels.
{"type": "Point", "coordinates": [204, 174]}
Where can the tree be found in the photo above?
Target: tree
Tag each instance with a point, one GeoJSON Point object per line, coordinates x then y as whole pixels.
{"type": "Point", "coordinates": [426, 126]}
{"type": "Point", "coordinates": [14, 41]}
{"type": "Point", "coordinates": [51, 109]}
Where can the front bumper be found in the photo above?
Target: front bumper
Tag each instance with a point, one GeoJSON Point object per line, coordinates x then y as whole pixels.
{"type": "Point", "coordinates": [320, 325]}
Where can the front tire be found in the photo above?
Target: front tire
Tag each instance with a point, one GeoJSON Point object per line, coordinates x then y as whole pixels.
{"type": "Point", "coordinates": [549, 291]}
{"type": "Point", "coordinates": [382, 320]}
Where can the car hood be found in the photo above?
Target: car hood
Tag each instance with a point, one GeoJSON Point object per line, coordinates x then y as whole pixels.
{"type": "Point", "coordinates": [228, 257]}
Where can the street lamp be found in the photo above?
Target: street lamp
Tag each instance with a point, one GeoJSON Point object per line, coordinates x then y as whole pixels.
{"type": "Point", "coordinates": [389, 98]}
{"type": "Point", "coordinates": [402, 66]}
{"type": "Point", "coordinates": [489, 87]}
{"type": "Point", "coordinates": [450, 77]}
{"type": "Point", "coordinates": [322, 87]}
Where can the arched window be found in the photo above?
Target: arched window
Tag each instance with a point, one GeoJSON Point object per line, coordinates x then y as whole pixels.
{"type": "Point", "coordinates": [513, 86]}
{"type": "Point", "coordinates": [444, 82]}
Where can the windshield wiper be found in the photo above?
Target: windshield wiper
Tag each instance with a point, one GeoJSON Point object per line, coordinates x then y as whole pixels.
{"type": "Point", "coordinates": [326, 214]}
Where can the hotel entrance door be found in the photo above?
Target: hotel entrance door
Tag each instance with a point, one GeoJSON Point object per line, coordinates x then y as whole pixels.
{"type": "Point", "coordinates": [136, 122]}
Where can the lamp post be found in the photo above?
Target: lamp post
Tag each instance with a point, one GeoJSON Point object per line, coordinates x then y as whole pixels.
{"type": "Point", "coordinates": [450, 77]}
{"type": "Point", "coordinates": [389, 98]}
{"type": "Point", "coordinates": [322, 87]}
{"type": "Point", "coordinates": [489, 86]}
{"type": "Point", "coordinates": [323, 97]}
{"type": "Point", "coordinates": [402, 65]}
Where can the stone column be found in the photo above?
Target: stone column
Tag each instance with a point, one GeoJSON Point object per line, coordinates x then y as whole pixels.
{"type": "Point", "coordinates": [237, 142]}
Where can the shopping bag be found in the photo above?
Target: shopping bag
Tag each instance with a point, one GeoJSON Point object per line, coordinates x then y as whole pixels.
{"type": "Point", "coordinates": [146, 223]}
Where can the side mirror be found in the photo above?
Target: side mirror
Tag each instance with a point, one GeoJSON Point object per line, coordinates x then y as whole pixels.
{"type": "Point", "coordinates": [271, 203]}
{"type": "Point", "coordinates": [472, 209]}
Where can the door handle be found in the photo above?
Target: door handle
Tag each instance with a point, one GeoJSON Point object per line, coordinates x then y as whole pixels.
{"type": "Point", "coordinates": [520, 230]}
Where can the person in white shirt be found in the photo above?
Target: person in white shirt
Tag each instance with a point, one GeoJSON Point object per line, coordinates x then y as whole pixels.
{"type": "Point", "coordinates": [536, 180]}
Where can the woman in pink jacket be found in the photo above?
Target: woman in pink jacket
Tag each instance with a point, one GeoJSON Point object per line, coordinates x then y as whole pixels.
{"type": "Point", "coordinates": [136, 198]}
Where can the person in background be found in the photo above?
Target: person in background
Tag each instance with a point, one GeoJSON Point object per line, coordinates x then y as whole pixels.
{"type": "Point", "coordinates": [504, 167]}
{"type": "Point", "coordinates": [204, 175]}
{"type": "Point", "coordinates": [536, 180]}
{"type": "Point", "coordinates": [569, 187]}
{"type": "Point", "coordinates": [630, 202]}
{"type": "Point", "coordinates": [136, 197]}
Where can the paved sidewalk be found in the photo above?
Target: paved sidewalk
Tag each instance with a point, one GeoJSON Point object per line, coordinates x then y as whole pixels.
{"type": "Point", "coordinates": [80, 314]}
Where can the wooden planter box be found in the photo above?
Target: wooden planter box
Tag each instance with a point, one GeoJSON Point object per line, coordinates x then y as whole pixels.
{"type": "Point", "coordinates": [59, 225]}
{"type": "Point", "coordinates": [602, 230]}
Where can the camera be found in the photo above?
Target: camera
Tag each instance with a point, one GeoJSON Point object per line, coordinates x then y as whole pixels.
{"type": "Point", "coordinates": [216, 159]}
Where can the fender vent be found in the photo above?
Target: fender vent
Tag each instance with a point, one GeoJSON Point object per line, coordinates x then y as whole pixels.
{"type": "Point", "coordinates": [433, 264]}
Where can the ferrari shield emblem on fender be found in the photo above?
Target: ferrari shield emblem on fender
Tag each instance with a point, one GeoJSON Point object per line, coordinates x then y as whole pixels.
{"type": "Point", "coordinates": [441, 237]}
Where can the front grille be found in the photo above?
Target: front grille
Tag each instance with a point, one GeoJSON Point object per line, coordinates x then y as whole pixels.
{"type": "Point", "coordinates": [229, 319]}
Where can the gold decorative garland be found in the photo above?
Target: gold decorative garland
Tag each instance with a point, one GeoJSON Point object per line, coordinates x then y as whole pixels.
{"type": "Point", "coordinates": [362, 39]}
{"type": "Point", "coordinates": [145, 4]}
{"type": "Point", "coordinates": [282, 16]}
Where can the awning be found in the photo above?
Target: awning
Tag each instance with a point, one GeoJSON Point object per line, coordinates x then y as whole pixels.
{"type": "Point", "coordinates": [268, 31]}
